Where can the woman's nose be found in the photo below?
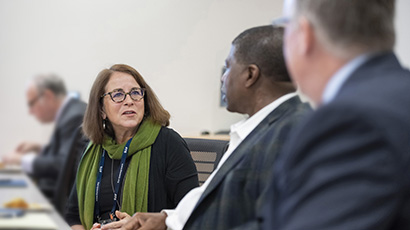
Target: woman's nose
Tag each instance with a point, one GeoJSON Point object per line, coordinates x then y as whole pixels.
{"type": "Point", "coordinates": [128, 100]}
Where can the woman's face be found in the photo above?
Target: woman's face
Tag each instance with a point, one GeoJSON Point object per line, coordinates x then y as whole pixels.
{"type": "Point", "coordinates": [124, 116]}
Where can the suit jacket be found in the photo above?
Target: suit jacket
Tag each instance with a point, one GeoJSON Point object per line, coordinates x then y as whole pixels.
{"type": "Point", "coordinates": [52, 158]}
{"type": "Point", "coordinates": [233, 196]}
{"type": "Point", "coordinates": [347, 166]}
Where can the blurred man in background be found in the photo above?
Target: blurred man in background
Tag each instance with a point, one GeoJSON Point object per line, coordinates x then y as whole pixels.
{"type": "Point", "coordinates": [48, 101]}
{"type": "Point", "coordinates": [347, 166]}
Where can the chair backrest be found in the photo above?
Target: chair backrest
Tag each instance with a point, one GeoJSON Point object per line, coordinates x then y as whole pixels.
{"type": "Point", "coordinates": [206, 154]}
{"type": "Point", "coordinates": [68, 172]}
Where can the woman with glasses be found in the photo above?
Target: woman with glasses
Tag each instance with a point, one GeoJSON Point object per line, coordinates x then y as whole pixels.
{"type": "Point", "coordinates": [134, 163]}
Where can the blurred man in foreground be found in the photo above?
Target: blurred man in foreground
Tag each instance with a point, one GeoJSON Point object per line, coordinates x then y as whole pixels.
{"type": "Point", "coordinates": [347, 166]}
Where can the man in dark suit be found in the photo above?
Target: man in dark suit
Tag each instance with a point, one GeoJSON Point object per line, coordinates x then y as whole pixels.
{"type": "Point", "coordinates": [48, 101]}
{"type": "Point", "coordinates": [347, 165]}
{"type": "Point", "coordinates": [255, 83]}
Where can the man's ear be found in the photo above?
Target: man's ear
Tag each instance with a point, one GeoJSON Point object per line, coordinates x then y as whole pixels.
{"type": "Point", "coordinates": [307, 37]}
{"type": "Point", "coordinates": [253, 75]}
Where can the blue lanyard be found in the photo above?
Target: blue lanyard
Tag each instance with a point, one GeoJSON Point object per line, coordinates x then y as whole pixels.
{"type": "Point", "coordinates": [117, 182]}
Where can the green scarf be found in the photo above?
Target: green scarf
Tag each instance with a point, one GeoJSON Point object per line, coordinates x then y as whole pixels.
{"type": "Point", "coordinates": [135, 191]}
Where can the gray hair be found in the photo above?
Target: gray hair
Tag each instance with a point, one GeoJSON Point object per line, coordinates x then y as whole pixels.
{"type": "Point", "coordinates": [351, 27]}
{"type": "Point", "coordinates": [51, 82]}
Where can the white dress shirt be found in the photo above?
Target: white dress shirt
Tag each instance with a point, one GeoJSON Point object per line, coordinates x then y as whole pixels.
{"type": "Point", "coordinates": [239, 131]}
{"type": "Point", "coordinates": [27, 160]}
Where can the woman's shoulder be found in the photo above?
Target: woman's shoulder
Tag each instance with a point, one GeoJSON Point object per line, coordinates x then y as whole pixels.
{"type": "Point", "coordinates": [167, 133]}
{"type": "Point", "coordinates": [169, 141]}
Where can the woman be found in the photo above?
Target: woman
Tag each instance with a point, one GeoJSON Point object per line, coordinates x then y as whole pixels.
{"type": "Point", "coordinates": [132, 156]}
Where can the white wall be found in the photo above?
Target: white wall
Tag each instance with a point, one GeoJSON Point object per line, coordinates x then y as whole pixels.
{"type": "Point", "coordinates": [179, 47]}
{"type": "Point", "coordinates": [403, 32]}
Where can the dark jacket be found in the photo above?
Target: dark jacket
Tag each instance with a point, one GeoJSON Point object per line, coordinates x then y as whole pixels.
{"type": "Point", "coordinates": [51, 159]}
{"type": "Point", "coordinates": [347, 166]}
{"type": "Point", "coordinates": [234, 195]}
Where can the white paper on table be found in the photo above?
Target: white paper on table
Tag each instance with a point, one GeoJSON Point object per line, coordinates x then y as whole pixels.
{"type": "Point", "coordinates": [29, 221]}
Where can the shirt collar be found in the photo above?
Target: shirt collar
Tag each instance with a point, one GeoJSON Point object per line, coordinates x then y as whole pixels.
{"type": "Point", "coordinates": [247, 125]}
{"type": "Point", "coordinates": [340, 77]}
{"type": "Point", "coordinates": [63, 105]}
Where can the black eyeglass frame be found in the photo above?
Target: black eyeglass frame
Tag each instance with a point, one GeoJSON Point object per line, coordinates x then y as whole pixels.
{"type": "Point", "coordinates": [125, 94]}
{"type": "Point", "coordinates": [32, 102]}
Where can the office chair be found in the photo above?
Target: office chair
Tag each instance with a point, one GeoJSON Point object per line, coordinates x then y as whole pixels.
{"type": "Point", "coordinates": [206, 154]}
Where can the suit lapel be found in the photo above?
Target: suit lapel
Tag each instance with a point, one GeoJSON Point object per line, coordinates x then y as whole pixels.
{"type": "Point", "coordinates": [245, 146]}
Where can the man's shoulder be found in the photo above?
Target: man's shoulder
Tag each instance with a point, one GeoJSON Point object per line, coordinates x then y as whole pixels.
{"type": "Point", "coordinates": [379, 83]}
{"type": "Point", "coordinates": [75, 109]}
{"type": "Point", "coordinates": [72, 115]}
{"type": "Point", "coordinates": [372, 117]}
{"type": "Point", "coordinates": [77, 104]}
{"type": "Point", "coordinates": [275, 129]}
{"type": "Point", "coordinates": [290, 112]}
{"type": "Point", "coordinates": [294, 105]}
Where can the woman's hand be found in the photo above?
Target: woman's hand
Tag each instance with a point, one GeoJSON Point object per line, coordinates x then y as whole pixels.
{"type": "Point", "coordinates": [77, 227]}
{"type": "Point", "coordinates": [96, 226]}
{"type": "Point", "coordinates": [123, 216]}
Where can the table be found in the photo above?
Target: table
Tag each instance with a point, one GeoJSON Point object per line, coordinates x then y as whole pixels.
{"type": "Point", "coordinates": [31, 194]}
{"type": "Point", "coordinates": [212, 137]}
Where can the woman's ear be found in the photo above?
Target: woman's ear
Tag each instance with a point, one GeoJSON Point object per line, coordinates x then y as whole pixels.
{"type": "Point", "coordinates": [103, 114]}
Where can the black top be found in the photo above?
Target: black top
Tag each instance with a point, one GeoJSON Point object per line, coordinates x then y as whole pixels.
{"type": "Point", "coordinates": [172, 174]}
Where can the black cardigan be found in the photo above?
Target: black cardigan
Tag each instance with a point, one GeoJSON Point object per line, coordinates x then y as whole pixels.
{"type": "Point", "coordinates": [172, 174]}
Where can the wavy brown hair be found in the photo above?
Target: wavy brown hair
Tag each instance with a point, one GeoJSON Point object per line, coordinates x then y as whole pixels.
{"type": "Point", "coordinates": [93, 122]}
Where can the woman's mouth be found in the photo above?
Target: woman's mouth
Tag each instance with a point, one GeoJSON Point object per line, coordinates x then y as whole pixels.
{"type": "Point", "coordinates": [129, 113]}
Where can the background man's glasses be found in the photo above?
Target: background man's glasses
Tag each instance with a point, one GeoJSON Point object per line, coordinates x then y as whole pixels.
{"type": "Point", "coordinates": [281, 22]}
{"type": "Point", "coordinates": [119, 95]}
{"type": "Point", "coordinates": [33, 101]}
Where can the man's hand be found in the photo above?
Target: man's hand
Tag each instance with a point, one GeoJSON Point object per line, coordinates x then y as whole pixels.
{"type": "Point", "coordinates": [123, 216]}
{"type": "Point", "coordinates": [12, 159]}
{"type": "Point", "coordinates": [26, 147]}
{"type": "Point", "coordinates": [146, 221]}
{"type": "Point", "coordinates": [142, 221]}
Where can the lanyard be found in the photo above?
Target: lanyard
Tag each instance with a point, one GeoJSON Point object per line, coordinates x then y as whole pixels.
{"type": "Point", "coordinates": [117, 182]}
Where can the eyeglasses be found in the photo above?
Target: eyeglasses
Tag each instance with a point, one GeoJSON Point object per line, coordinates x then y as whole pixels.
{"type": "Point", "coordinates": [118, 95]}
{"type": "Point", "coordinates": [32, 102]}
{"type": "Point", "coordinates": [281, 22]}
